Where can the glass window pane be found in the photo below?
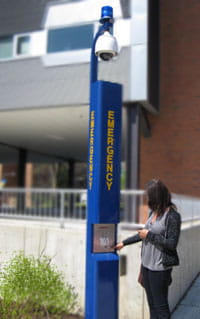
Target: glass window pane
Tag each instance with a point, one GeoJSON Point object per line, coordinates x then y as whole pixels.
{"type": "Point", "coordinates": [70, 38]}
{"type": "Point", "coordinates": [23, 44]}
{"type": "Point", "coordinates": [6, 47]}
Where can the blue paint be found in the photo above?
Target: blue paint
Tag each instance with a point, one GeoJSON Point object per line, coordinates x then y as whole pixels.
{"type": "Point", "coordinates": [103, 201]}
{"type": "Point", "coordinates": [103, 204]}
{"type": "Point", "coordinates": [106, 14]}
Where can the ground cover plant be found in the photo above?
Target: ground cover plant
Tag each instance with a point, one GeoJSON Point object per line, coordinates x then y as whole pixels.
{"type": "Point", "coordinates": [32, 288]}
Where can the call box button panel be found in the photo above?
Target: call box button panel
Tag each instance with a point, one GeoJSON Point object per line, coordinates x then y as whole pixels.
{"type": "Point", "coordinates": [103, 238]}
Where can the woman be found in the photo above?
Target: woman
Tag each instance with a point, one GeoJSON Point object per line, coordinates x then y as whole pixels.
{"type": "Point", "coordinates": [159, 241]}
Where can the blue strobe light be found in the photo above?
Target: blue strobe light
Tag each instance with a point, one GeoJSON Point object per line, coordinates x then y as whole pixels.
{"type": "Point", "coordinates": [106, 13]}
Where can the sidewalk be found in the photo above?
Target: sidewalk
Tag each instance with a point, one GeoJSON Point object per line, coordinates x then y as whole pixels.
{"type": "Point", "coordinates": [189, 307]}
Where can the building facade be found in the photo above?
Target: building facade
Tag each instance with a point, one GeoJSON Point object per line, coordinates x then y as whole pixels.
{"type": "Point", "coordinates": [172, 151]}
{"type": "Point", "coordinates": [44, 90]}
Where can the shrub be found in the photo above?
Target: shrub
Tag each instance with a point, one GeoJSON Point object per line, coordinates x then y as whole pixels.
{"type": "Point", "coordinates": [30, 286]}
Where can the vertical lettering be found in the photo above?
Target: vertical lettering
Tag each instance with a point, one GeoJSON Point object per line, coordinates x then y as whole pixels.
{"type": "Point", "coordinates": [110, 149]}
{"type": "Point", "coordinates": [91, 149]}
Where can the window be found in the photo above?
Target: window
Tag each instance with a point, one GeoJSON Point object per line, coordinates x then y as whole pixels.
{"type": "Point", "coordinates": [14, 46]}
{"type": "Point", "coordinates": [6, 47]}
{"type": "Point", "coordinates": [23, 45]}
{"type": "Point", "coordinates": [70, 38]}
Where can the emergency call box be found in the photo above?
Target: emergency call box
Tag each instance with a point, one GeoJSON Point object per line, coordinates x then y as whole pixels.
{"type": "Point", "coordinates": [104, 238]}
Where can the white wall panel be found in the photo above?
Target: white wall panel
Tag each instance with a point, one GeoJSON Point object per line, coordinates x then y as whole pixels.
{"type": "Point", "coordinates": [70, 13]}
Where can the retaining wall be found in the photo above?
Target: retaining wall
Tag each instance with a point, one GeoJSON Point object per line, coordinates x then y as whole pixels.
{"type": "Point", "coordinates": [66, 247]}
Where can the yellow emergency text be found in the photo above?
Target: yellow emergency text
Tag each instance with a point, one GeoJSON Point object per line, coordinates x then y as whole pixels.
{"type": "Point", "coordinates": [110, 148]}
{"type": "Point", "coordinates": [91, 149]}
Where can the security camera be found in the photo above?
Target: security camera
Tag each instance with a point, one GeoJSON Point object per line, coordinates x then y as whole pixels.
{"type": "Point", "coordinates": [106, 46]}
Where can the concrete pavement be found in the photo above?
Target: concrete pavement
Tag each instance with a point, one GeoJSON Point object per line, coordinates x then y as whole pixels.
{"type": "Point", "coordinates": [189, 307]}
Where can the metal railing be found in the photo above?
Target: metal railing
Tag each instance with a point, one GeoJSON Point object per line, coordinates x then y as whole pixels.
{"type": "Point", "coordinates": [64, 204]}
{"type": "Point", "coordinates": [58, 204]}
{"type": "Point", "coordinates": [45, 204]}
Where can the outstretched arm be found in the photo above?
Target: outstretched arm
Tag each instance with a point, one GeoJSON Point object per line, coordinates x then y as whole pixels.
{"type": "Point", "coordinates": [128, 241]}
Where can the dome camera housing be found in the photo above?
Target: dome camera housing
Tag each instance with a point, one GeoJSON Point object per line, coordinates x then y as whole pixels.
{"type": "Point", "coordinates": [106, 46]}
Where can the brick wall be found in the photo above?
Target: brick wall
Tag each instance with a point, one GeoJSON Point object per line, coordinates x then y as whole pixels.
{"type": "Point", "coordinates": [173, 152]}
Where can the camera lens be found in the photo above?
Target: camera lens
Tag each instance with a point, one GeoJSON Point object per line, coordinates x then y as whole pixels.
{"type": "Point", "coordinates": [106, 56]}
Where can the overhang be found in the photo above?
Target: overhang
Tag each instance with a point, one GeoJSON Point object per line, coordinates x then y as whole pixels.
{"type": "Point", "coordinates": [60, 132]}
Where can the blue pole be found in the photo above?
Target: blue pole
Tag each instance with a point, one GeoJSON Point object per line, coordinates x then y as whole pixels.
{"type": "Point", "coordinates": [102, 262]}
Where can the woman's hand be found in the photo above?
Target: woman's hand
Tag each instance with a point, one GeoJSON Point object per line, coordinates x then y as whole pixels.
{"type": "Point", "coordinates": [143, 233]}
{"type": "Point", "coordinates": [119, 246]}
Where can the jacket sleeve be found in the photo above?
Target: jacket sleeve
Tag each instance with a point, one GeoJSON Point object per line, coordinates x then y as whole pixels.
{"type": "Point", "coordinates": [170, 241]}
{"type": "Point", "coordinates": [132, 240]}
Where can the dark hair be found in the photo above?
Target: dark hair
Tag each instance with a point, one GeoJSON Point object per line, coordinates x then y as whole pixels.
{"type": "Point", "coordinates": [159, 197]}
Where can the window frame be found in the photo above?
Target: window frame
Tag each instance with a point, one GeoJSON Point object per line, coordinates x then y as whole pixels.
{"type": "Point", "coordinates": [15, 45]}
{"type": "Point", "coordinates": [12, 42]}
{"type": "Point", "coordinates": [16, 55]}
{"type": "Point", "coordinates": [54, 58]}
{"type": "Point", "coordinates": [70, 56]}
{"type": "Point", "coordinates": [69, 26]}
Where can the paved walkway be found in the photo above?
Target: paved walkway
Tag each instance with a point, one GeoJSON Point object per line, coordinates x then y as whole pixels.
{"type": "Point", "coordinates": [189, 307]}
